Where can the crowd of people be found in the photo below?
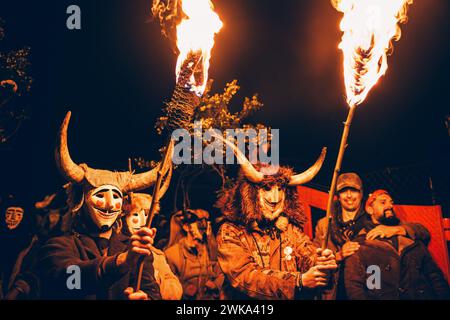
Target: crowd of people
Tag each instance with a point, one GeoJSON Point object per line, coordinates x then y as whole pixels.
{"type": "Point", "coordinates": [96, 225]}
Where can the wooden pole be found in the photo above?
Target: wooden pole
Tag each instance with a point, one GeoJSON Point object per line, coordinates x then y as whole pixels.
{"type": "Point", "coordinates": [337, 170]}
{"type": "Point", "coordinates": [155, 199]}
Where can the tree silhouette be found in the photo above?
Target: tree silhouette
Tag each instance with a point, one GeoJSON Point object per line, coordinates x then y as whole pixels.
{"type": "Point", "coordinates": [14, 83]}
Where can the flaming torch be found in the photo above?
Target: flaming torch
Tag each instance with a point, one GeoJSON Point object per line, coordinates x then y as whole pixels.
{"type": "Point", "coordinates": [195, 24]}
{"type": "Point", "coordinates": [369, 27]}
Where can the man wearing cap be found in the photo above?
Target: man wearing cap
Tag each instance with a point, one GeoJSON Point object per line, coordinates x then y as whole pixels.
{"type": "Point", "coordinates": [400, 267]}
{"type": "Point", "coordinates": [348, 219]}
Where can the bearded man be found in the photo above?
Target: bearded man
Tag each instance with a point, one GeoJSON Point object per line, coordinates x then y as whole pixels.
{"type": "Point", "coordinates": [406, 270]}
{"type": "Point", "coordinates": [93, 262]}
{"type": "Point", "coordinates": [261, 247]}
{"type": "Point", "coordinates": [348, 219]}
{"type": "Point", "coordinates": [136, 209]}
{"type": "Point", "coordinates": [192, 255]}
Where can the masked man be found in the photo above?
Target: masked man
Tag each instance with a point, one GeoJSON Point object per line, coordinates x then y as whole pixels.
{"type": "Point", "coordinates": [16, 233]}
{"type": "Point", "coordinates": [93, 262]}
{"type": "Point", "coordinates": [136, 209]}
{"type": "Point", "coordinates": [24, 283]}
{"type": "Point", "coordinates": [192, 255]}
{"type": "Point", "coordinates": [398, 267]}
{"type": "Point", "coordinates": [261, 248]}
{"type": "Point", "coordinates": [348, 219]}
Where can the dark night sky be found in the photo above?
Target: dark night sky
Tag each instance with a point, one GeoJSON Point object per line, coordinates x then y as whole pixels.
{"type": "Point", "coordinates": [115, 72]}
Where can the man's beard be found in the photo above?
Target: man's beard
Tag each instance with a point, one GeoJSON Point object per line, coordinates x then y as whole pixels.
{"type": "Point", "coordinates": [389, 221]}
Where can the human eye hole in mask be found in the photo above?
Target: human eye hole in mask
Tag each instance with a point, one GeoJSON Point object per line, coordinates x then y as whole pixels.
{"type": "Point", "coordinates": [99, 194]}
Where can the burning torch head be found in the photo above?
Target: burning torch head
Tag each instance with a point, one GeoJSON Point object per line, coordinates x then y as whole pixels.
{"type": "Point", "coordinates": [180, 110]}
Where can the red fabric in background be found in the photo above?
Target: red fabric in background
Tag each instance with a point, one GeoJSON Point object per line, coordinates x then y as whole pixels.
{"type": "Point", "coordinates": [429, 216]}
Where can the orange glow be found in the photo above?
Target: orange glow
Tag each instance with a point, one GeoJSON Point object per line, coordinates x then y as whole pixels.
{"type": "Point", "coordinates": [196, 34]}
{"type": "Point", "coordinates": [369, 26]}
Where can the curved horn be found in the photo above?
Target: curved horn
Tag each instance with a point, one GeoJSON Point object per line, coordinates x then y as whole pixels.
{"type": "Point", "coordinates": [166, 184]}
{"type": "Point", "coordinates": [141, 181]}
{"type": "Point", "coordinates": [309, 174]}
{"type": "Point", "coordinates": [147, 179]}
{"type": "Point", "coordinates": [249, 170]}
{"type": "Point", "coordinates": [69, 169]}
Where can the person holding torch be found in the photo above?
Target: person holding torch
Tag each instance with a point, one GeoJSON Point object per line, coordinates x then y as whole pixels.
{"type": "Point", "coordinates": [348, 219]}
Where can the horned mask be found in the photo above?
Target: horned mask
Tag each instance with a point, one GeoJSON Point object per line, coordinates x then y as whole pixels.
{"type": "Point", "coordinates": [102, 190]}
{"type": "Point", "coordinates": [136, 207]}
{"type": "Point", "coordinates": [257, 196]}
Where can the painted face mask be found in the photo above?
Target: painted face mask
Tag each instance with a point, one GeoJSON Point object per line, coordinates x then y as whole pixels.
{"type": "Point", "coordinates": [271, 200]}
{"type": "Point", "coordinates": [13, 217]}
{"type": "Point", "coordinates": [136, 220]}
{"type": "Point", "coordinates": [136, 208]}
{"type": "Point", "coordinates": [197, 224]}
{"type": "Point", "coordinates": [104, 204]}
{"type": "Point", "coordinates": [198, 230]}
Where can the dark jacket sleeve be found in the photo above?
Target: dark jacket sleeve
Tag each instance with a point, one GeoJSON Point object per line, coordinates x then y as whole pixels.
{"type": "Point", "coordinates": [355, 280]}
{"type": "Point", "coordinates": [54, 259]}
{"type": "Point", "coordinates": [417, 231]}
{"type": "Point", "coordinates": [436, 278]}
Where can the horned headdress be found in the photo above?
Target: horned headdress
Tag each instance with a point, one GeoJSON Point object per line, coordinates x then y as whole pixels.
{"type": "Point", "coordinates": [240, 203]}
{"type": "Point", "coordinates": [81, 174]}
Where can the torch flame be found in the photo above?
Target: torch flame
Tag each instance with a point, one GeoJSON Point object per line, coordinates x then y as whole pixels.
{"type": "Point", "coordinates": [369, 27]}
{"type": "Point", "coordinates": [195, 35]}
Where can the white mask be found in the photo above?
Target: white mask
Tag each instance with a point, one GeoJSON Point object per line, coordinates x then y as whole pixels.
{"type": "Point", "coordinates": [104, 205]}
{"type": "Point", "coordinates": [136, 220]}
{"type": "Point", "coordinates": [271, 200]}
{"type": "Point", "coordinates": [13, 217]}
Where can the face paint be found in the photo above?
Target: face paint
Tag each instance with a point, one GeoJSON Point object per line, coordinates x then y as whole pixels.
{"type": "Point", "coordinates": [13, 217]}
{"type": "Point", "coordinates": [104, 204]}
{"type": "Point", "coordinates": [271, 200]}
{"type": "Point", "coordinates": [136, 220]}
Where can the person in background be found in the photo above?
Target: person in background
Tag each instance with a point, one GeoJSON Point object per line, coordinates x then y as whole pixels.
{"type": "Point", "coordinates": [135, 213]}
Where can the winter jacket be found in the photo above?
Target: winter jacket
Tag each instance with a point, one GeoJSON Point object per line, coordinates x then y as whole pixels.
{"type": "Point", "coordinates": [197, 270]}
{"type": "Point", "coordinates": [336, 289]}
{"type": "Point", "coordinates": [264, 265]}
{"type": "Point", "coordinates": [100, 277]}
{"type": "Point", "coordinates": [407, 271]}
